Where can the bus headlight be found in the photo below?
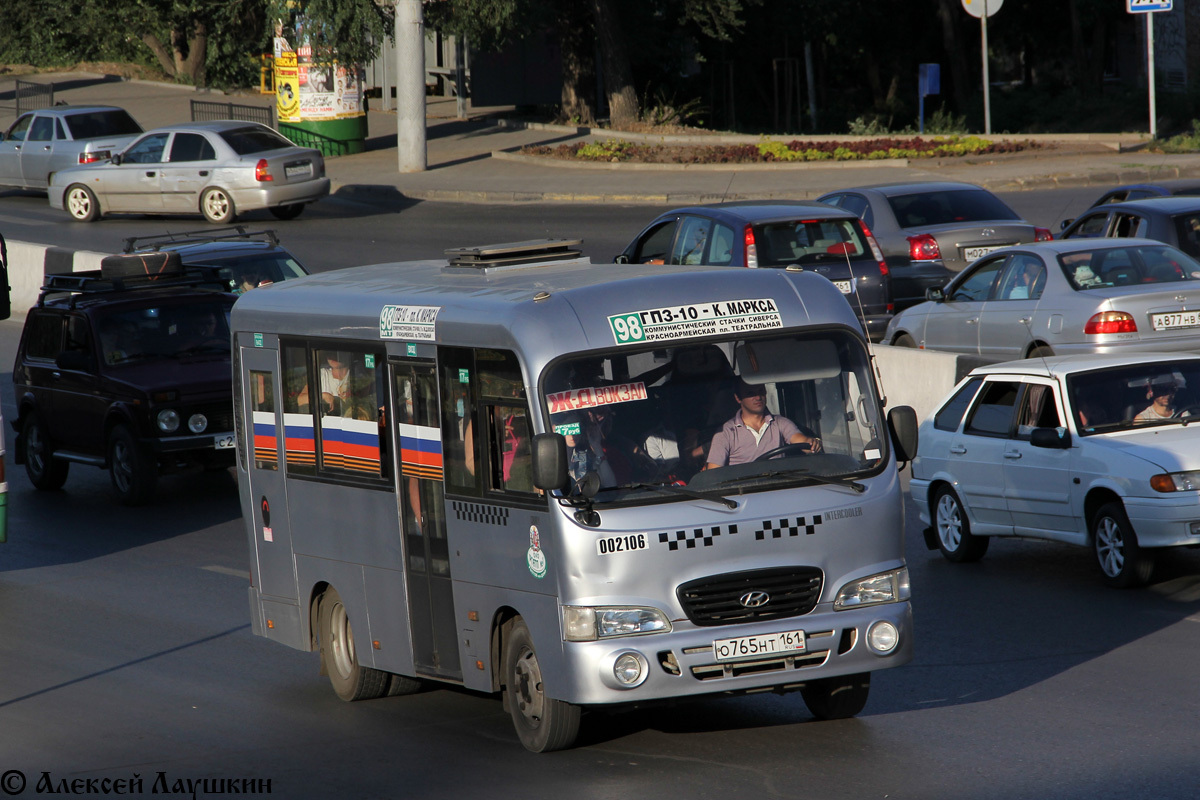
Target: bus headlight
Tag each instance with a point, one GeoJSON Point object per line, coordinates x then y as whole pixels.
{"type": "Point", "coordinates": [589, 623]}
{"type": "Point", "coordinates": [168, 420]}
{"type": "Point", "coordinates": [886, 587]}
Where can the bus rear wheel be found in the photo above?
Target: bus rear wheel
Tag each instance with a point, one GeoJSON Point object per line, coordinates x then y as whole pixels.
{"type": "Point", "coordinates": [351, 680]}
{"type": "Point", "coordinates": [542, 724]}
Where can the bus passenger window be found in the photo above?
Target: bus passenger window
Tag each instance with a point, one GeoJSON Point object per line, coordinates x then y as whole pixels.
{"type": "Point", "coordinates": [512, 462]}
{"type": "Point", "coordinates": [262, 410]}
{"type": "Point", "coordinates": [300, 447]}
{"type": "Point", "coordinates": [349, 420]}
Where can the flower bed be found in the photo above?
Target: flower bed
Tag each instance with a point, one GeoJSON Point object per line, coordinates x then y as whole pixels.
{"type": "Point", "coordinates": [770, 150]}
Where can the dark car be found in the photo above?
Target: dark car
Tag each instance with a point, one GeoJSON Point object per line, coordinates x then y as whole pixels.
{"type": "Point", "coordinates": [930, 231]}
{"type": "Point", "coordinates": [1143, 191]}
{"type": "Point", "coordinates": [125, 372]}
{"type": "Point", "coordinates": [810, 236]}
{"type": "Point", "coordinates": [242, 259]}
{"type": "Point", "coordinates": [1174, 220]}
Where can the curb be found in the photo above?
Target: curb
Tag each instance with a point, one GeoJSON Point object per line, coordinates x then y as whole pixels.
{"type": "Point", "coordinates": [621, 166]}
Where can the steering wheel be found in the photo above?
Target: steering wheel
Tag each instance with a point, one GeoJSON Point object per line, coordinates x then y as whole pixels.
{"type": "Point", "coordinates": [786, 450]}
{"type": "Point", "coordinates": [1192, 410]}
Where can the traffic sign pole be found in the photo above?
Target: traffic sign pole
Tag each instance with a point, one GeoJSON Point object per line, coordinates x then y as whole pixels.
{"type": "Point", "coordinates": [1150, 75]}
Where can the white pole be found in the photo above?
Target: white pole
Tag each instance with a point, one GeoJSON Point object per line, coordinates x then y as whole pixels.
{"type": "Point", "coordinates": [1150, 73]}
{"type": "Point", "coordinates": [987, 99]}
{"type": "Point", "coordinates": [410, 86]}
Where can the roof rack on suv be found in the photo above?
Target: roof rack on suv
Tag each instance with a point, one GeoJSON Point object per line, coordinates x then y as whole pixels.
{"type": "Point", "coordinates": [92, 282]}
{"type": "Point", "coordinates": [534, 251]}
{"type": "Point", "coordinates": [198, 237]}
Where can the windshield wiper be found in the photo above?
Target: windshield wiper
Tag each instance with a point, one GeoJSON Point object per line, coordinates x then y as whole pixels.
{"type": "Point", "coordinates": [672, 488]}
{"type": "Point", "coordinates": [853, 484]}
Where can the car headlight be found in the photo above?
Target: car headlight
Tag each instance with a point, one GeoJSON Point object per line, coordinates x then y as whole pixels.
{"type": "Point", "coordinates": [886, 587]}
{"type": "Point", "coordinates": [589, 623]}
{"type": "Point", "coordinates": [1176, 482]}
{"type": "Point", "coordinates": [197, 423]}
{"type": "Point", "coordinates": [168, 420]}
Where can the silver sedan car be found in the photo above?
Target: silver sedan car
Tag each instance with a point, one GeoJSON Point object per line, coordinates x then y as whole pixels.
{"type": "Point", "coordinates": [1062, 297]}
{"type": "Point", "coordinates": [40, 143]}
{"type": "Point", "coordinates": [218, 169]}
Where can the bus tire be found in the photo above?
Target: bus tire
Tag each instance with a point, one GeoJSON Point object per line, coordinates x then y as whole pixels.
{"type": "Point", "coordinates": [837, 698]}
{"type": "Point", "coordinates": [133, 471]}
{"type": "Point", "coordinates": [543, 725]}
{"type": "Point", "coordinates": [350, 680]}
{"type": "Point", "coordinates": [402, 684]}
{"type": "Point", "coordinates": [44, 470]}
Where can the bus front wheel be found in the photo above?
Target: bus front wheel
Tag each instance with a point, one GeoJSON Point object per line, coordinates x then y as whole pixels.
{"type": "Point", "coordinates": [351, 680]}
{"type": "Point", "coordinates": [542, 724]}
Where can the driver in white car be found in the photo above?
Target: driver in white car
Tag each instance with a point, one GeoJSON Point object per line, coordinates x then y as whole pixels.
{"type": "Point", "coordinates": [754, 431]}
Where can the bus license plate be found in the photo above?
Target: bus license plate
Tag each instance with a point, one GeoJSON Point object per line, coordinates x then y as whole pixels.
{"type": "Point", "coordinates": [785, 643]}
{"type": "Point", "coordinates": [223, 442]}
{"type": "Point", "coordinates": [1174, 320]}
{"type": "Point", "coordinates": [845, 287]}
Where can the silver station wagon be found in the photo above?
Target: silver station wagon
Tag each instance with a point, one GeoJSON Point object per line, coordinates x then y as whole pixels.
{"type": "Point", "coordinates": [42, 142]}
{"type": "Point", "coordinates": [218, 169]}
{"type": "Point", "coordinates": [1075, 296]}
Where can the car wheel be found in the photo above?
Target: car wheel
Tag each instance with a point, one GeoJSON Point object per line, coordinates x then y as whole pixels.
{"type": "Point", "coordinates": [542, 724]}
{"type": "Point", "coordinates": [903, 340]}
{"type": "Point", "coordinates": [1122, 562]}
{"type": "Point", "coordinates": [81, 203]}
{"type": "Point", "coordinates": [290, 211]}
{"type": "Point", "coordinates": [217, 206]}
{"type": "Point", "coordinates": [133, 471]}
{"type": "Point", "coordinates": [837, 698]}
{"type": "Point", "coordinates": [954, 536]}
{"type": "Point", "coordinates": [1040, 352]}
{"type": "Point", "coordinates": [351, 680]}
{"type": "Point", "coordinates": [44, 470]}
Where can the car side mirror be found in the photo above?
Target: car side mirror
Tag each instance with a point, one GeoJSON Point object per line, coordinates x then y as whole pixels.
{"type": "Point", "coordinates": [936, 294]}
{"type": "Point", "coordinates": [549, 461]}
{"type": "Point", "coordinates": [902, 422]}
{"type": "Point", "coordinates": [1050, 438]}
{"type": "Point", "coordinates": [74, 360]}
{"type": "Point", "coordinates": [116, 159]}
{"type": "Point", "coordinates": [621, 259]}
{"type": "Point", "coordinates": [1065, 224]}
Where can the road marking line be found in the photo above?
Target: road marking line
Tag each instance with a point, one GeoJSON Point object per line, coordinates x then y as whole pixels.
{"type": "Point", "coordinates": [237, 573]}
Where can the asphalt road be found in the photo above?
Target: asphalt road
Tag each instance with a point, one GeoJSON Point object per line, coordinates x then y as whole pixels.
{"type": "Point", "coordinates": [125, 646]}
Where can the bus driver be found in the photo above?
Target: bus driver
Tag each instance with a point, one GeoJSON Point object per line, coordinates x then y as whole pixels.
{"type": "Point", "coordinates": [754, 431]}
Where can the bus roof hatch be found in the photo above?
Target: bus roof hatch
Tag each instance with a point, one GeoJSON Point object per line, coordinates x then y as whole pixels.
{"type": "Point", "coordinates": [534, 251]}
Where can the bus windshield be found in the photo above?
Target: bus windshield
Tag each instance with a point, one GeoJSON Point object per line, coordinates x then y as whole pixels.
{"type": "Point", "coordinates": [729, 416]}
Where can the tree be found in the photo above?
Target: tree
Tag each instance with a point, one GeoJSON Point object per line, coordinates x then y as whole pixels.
{"type": "Point", "coordinates": [346, 31]}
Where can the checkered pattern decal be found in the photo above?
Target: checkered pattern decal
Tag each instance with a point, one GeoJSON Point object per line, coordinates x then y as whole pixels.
{"type": "Point", "coordinates": [787, 526]}
{"type": "Point", "coordinates": [477, 512]}
{"type": "Point", "coordinates": [770, 529]}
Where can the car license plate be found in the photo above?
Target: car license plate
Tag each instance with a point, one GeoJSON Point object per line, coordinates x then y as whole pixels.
{"type": "Point", "coordinates": [973, 253]}
{"type": "Point", "coordinates": [1175, 320]}
{"type": "Point", "coordinates": [297, 170]}
{"type": "Point", "coordinates": [223, 442]}
{"type": "Point", "coordinates": [785, 643]}
{"type": "Point", "coordinates": [845, 287]}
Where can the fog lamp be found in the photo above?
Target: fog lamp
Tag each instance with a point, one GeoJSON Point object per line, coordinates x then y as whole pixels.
{"type": "Point", "coordinates": [882, 637]}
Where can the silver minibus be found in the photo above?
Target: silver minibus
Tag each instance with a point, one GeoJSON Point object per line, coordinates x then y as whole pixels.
{"type": "Point", "coordinates": [578, 485]}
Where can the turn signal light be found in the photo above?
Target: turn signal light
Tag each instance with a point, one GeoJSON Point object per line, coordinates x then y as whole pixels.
{"type": "Point", "coordinates": [1042, 235]}
{"type": "Point", "coordinates": [923, 248]}
{"type": "Point", "coordinates": [262, 172]}
{"type": "Point", "coordinates": [875, 249]}
{"type": "Point", "coordinates": [751, 250]}
{"type": "Point", "coordinates": [1110, 322]}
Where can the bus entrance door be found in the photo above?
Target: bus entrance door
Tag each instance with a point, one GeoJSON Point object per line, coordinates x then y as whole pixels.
{"type": "Point", "coordinates": [265, 439]}
{"type": "Point", "coordinates": [421, 490]}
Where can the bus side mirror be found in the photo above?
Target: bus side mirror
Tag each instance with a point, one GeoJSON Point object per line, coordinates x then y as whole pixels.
{"type": "Point", "coordinates": [902, 422]}
{"type": "Point", "coordinates": [549, 461]}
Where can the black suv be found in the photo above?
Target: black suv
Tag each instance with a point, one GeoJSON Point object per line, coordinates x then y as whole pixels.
{"type": "Point", "coordinates": [126, 368]}
{"type": "Point", "coordinates": [242, 259]}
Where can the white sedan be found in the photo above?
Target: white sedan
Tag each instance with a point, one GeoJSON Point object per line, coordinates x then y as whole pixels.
{"type": "Point", "coordinates": [217, 169]}
{"type": "Point", "coordinates": [1092, 450]}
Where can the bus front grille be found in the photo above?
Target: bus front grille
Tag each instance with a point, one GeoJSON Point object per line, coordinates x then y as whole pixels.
{"type": "Point", "coordinates": [751, 596]}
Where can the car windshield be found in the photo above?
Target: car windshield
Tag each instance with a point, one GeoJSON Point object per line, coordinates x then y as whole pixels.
{"type": "Point", "coordinates": [197, 329]}
{"type": "Point", "coordinates": [94, 124]}
{"type": "Point", "coordinates": [807, 241]}
{"type": "Point", "coordinates": [245, 272]}
{"type": "Point", "coordinates": [650, 421]}
{"type": "Point", "coordinates": [1135, 396]}
{"type": "Point", "coordinates": [245, 141]}
{"type": "Point", "coordinates": [948, 207]}
{"type": "Point", "coordinates": [1104, 267]}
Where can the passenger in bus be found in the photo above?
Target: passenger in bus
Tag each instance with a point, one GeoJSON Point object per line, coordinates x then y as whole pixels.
{"type": "Point", "coordinates": [335, 382]}
{"type": "Point", "coordinates": [754, 431]}
{"type": "Point", "coordinates": [595, 449]}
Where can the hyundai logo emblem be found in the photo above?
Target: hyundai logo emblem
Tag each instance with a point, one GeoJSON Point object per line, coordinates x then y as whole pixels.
{"type": "Point", "coordinates": [754, 599]}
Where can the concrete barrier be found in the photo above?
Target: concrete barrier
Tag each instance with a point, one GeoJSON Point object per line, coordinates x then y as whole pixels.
{"type": "Point", "coordinates": [29, 264]}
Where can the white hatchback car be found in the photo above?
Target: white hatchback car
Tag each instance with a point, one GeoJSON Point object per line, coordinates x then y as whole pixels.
{"type": "Point", "coordinates": [1093, 450]}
